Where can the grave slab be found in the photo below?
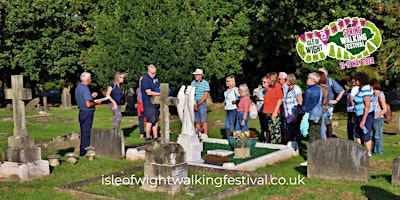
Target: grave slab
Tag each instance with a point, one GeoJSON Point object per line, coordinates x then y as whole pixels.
{"type": "Point", "coordinates": [337, 159]}
{"type": "Point", "coordinates": [108, 143]}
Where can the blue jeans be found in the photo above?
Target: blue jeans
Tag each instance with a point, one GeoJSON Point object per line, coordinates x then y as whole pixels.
{"type": "Point", "coordinates": [323, 126]}
{"type": "Point", "coordinates": [85, 122]}
{"type": "Point", "coordinates": [377, 136]}
{"type": "Point", "coordinates": [239, 120]}
{"type": "Point", "coordinates": [230, 121]}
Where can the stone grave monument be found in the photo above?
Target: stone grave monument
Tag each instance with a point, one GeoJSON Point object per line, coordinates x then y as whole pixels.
{"type": "Point", "coordinates": [188, 137]}
{"type": "Point", "coordinates": [337, 159]}
{"type": "Point", "coordinates": [66, 98]}
{"type": "Point", "coordinates": [108, 143]}
{"type": "Point", "coordinates": [165, 161]}
{"type": "Point", "coordinates": [396, 171]}
{"type": "Point", "coordinates": [22, 159]}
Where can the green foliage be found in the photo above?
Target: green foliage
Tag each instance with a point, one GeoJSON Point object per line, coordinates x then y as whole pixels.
{"type": "Point", "coordinates": [51, 40]}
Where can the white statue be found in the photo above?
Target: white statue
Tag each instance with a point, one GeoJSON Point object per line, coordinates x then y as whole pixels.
{"type": "Point", "coordinates": [186, 109]}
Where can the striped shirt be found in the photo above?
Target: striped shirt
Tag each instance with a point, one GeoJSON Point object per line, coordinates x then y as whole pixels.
{"type": "Point", "coordinates": [366, 91]}
{"type": "Point", "coordinates": [201, 88]}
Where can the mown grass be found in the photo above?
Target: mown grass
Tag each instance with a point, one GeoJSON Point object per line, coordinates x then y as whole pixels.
{"type": "Point", "coordinates": [61, 122]}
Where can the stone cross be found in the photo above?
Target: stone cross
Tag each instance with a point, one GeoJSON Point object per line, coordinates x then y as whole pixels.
{"type": "Point", "coordinates": [17, 93]}
{"type": "Point", "coordinates": [164, 100]}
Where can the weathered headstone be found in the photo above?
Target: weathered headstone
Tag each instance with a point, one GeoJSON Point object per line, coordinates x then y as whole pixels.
{"type": "Point", "coordinates": [165, 162]}
{"type": "Point", "coordinates": [188, 137]}
{"type": "Point", "coordinates": [108, 143]}
{"type": "Point", "coordinates": [32, 104]}
{"type": "Point", "coordinates": [45, 104]}
{"type": "Point", "coordinates": [22, 158]}
{"type": "Point", "coordinates": [396, 171]}
{"type": "Point", "coordinates": [130, 100]}
{"type": "Point", "coordinates": [337, 159]}
{"type": "Point", "coordinates": [66, 99]}
{"type": "Point", "coordinates": [165, 167]}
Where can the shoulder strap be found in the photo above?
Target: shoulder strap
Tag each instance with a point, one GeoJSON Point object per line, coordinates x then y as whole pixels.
{"type": "Point", "coordinates": [320, 95]}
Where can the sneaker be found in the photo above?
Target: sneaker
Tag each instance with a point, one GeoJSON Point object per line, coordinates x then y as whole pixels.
{"type": "Point", "coordinates": [304, 164]}
{"type": "Point", "coordinates": [148, 139]}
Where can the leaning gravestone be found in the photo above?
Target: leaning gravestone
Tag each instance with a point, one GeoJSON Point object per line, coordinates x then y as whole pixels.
{"type": "Point", "coordinates": [108, 143]}
{"type": "Point", "coordinates": [32, 104]}
{"type": "Point", "coordinates": [66, 99]}
{"type": "Point", "coordinates": [22, 159]}
{"type": "Point", "coordinates": [337, 159]}
{"type": "Point", "coordinates": [396, 171]}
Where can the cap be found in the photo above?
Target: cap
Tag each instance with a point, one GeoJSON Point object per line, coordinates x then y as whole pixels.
{"type": "Point", "coordinates": [198, 72]}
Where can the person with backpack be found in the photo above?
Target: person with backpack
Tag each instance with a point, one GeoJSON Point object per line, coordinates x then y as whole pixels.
{"type": "Point", "coordinates": [114, 93]}
{"type": "Point", "coordinates": [380, 109]}
{"type": "Point", "coordinates": [231, 95]}
{"type": "Point", "coordinates": [333, 87]}
{"type": "Point", "coordinates": [243, 109]}
{"type": "Point", "coordinates": [292, 104]}
{"type": "Point", "coordinates": [312, 100]}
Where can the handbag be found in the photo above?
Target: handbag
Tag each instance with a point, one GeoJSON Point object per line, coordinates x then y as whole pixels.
{"type": "Point", "coordinates": [316, 112]}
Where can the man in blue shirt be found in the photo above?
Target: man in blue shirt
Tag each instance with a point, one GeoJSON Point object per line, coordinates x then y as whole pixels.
{"type": "Point", "coordinates": [333, 87]}
{"type": "Point", "coordinates": [200, 97]}
{"type": "Point", "coordinates": [86, 107]}
{"type": "Point", "coordinates": [150, 87]}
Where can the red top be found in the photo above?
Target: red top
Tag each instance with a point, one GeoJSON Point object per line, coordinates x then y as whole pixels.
{"type": "Point", "coordinates": [271, 99]}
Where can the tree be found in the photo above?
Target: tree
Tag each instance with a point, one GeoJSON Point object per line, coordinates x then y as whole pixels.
{"type": "Point", "coordinates": [172, 35]}
{"type": "Point", "coordinates": [43, 41]}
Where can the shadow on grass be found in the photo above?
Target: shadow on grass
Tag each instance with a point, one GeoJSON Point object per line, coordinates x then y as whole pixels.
{"type": "Point", "coordinates": [65, 151]}
{"type": "Point", "coordinates": [302, 170]}
{"type": "Point", "coordinates": [129, 131]}
{"type": "Point", "coordinates": [372, 192]}
{"type": "Point", "coordinates": [388, 178]}
{"type": "Point", "coordinates": [130, 113]}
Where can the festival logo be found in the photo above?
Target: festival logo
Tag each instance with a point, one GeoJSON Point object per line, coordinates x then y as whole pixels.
{"type": "Point", "coordinates": [352, 40]}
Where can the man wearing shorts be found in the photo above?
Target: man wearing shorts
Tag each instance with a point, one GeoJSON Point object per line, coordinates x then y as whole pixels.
{"type": "Point", "coordinates": [150, 87]}
{"type": "Point", "coordinates": [200, 97]}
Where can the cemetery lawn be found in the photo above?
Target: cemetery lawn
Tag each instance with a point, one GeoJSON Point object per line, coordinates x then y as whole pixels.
{"type": "Point", "coordinates": [61, 122]}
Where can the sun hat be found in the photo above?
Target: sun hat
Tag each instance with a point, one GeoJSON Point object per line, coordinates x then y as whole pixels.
{"type": "Point", "coordinates": [198, 72]}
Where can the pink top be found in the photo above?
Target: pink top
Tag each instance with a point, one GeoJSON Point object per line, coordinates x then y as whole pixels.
{"type": "Point", "coordinates": [244, 101]}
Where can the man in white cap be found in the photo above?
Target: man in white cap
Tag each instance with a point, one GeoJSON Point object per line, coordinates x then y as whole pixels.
{"type": "Point", "coordinates": [200, 97]}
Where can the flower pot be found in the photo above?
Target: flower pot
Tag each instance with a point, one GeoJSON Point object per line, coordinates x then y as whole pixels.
{"type": "Point", "coordinates": [232, 141]}
{"type": "Point", "coordinates": [251, 142]}
{"type": "Point", "coordinates": [242, 152]}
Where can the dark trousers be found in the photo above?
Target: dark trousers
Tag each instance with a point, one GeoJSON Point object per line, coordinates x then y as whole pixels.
{"type": "Point", "coordinates": [351, 120]}
{"type": "Point", "coordinates": [85, 122]}
{"type": "Point", "coordinates": [141, 124]}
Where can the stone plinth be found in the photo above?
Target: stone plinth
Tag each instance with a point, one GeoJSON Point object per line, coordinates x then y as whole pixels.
{"type": "Point", "coordinates": [21, 149]}
{"type": "Point", "coordinates": [337, 159]}
{"type": "Point", "coordinates": [192, 146]}
{"type": "Point", "coordinates": [396, 171]}
{"type": "Point", "coordinates": [164, 165]}
{"type": "Point", "coordinates": [24, 171]}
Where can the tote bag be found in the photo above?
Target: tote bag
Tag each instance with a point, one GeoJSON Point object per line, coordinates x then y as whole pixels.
{"type": "Point", "coordinates": [316, 112]}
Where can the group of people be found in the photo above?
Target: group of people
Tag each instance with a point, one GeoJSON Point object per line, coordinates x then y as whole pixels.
{"type": "Point", "coordinates": [280, 101]}
{"type": "Point", "coordinates": [148, 112]}
{"type": "Point", "coordinates": [282, 106]}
